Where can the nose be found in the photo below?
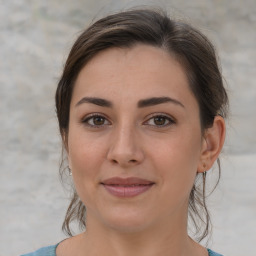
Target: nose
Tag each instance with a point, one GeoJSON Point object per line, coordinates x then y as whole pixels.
{"type": "Point", "coordinates": [125, 148]}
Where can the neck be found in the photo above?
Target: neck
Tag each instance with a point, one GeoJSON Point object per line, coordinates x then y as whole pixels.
{"type": "Point", "coordinates": [164, 239]}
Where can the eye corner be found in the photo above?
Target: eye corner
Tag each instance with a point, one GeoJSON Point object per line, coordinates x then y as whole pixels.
{"type": "Point", "coordinates": [164, 120]}
{"type": "Point", "coordinates": [95, 120]}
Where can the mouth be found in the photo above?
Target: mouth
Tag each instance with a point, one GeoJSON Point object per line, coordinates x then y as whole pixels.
{"type": "Point", "coordinates": [128, 187]}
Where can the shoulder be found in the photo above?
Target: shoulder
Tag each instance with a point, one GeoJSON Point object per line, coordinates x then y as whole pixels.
{"type": "Point", "coordinates": [212, 253]}
{"type": "Point", "coordinates": [45, 251]}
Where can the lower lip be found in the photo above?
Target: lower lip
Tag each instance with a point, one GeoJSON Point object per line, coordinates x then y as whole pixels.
{"type": "Point", "coordinates": [127, 191]}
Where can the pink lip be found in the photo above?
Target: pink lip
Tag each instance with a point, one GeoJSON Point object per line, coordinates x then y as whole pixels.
{"type": "Point", "coordinates": [127, 187]}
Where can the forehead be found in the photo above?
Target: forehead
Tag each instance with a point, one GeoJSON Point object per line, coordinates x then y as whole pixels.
{"type": "Point", "coordinates": [132, 73]}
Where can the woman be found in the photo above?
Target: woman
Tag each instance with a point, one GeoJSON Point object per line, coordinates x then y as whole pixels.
{"type": "Point", "coordinates": [140, 106]}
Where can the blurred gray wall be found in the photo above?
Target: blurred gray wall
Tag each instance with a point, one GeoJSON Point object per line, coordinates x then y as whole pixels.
{"type": "Point", "coordinates": [35, 38]}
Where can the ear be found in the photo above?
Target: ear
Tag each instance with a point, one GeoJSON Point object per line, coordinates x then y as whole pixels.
{"type": "Point", "coordinates": [212, 144]}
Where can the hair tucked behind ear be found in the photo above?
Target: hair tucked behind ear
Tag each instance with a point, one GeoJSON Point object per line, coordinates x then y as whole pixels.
{"type": "Point", "coordinates": [183, 42]}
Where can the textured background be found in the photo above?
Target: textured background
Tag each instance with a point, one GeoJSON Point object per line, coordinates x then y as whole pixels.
{"type": "Point", "coordinates": [35, 38]}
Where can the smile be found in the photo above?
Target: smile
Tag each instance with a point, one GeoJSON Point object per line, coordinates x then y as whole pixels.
{"type": "Point", "coordinates": [128, 187]}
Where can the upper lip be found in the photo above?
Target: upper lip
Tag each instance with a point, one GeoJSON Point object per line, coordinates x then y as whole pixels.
{"type": "Point", "coordinates": [126, 181]}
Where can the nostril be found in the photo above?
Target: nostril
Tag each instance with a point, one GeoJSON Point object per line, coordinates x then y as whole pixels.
{"type": "Point", "coordinates": [114, 161]}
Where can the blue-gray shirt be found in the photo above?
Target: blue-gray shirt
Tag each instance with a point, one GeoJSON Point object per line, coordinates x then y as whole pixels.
{"type": "Point", "coordinates": [51, 251]}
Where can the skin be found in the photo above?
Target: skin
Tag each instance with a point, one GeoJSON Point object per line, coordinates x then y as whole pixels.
{"type": "Point", "coordinates": [129, 142]}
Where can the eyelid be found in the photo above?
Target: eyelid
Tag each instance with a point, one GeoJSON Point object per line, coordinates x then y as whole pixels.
{"type": "Point", "coordinates": [170, 119]}
{"type": "Point", "coordinates": [86, 118]}
{"type": "Point", "coordinates": [167, 116]}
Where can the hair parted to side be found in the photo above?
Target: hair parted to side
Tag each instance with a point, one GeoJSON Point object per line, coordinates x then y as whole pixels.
{"type": "Point", "coordinates": [183, 42]}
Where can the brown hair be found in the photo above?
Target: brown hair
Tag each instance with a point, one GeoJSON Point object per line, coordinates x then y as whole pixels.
{"type": "Point", "coordinates": [190, 47]}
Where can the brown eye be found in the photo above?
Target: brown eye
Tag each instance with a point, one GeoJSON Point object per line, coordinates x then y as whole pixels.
{"type": "Point", "coordinates": [160, 120]}
{"type": "Point", "coordinates": [96, 121]}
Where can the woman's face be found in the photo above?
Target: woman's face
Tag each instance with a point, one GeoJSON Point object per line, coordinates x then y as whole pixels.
{"type": "Point", "coordinates": [134, 140]}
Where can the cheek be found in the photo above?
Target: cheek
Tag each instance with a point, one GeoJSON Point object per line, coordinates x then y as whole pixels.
{"type": "Point", "coordinates": [178, 149]}
{"type": "Point", "coordinates": [176, 161]}
{"type": "Point", "coordinates": [85, 158]}
{"type": "Point", "coordinates": [84, 149]}
{"type": "Point", "coordinates": [84, 162]}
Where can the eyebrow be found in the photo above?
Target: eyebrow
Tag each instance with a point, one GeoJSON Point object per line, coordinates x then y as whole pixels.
{"type": "Point", "coordinates": [141, 103]}
{"type": "Point", "coordinates": [158, 100]}
{"type": "Point", "coordinates": [96, 101]}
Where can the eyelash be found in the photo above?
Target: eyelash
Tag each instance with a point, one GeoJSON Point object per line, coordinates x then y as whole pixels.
{"type": "Point", "coordinates": [152, 117]}
{"type": "Point", "coordinates": [91, 117]}
{"type": "Point", "coordinates": [167, 118]}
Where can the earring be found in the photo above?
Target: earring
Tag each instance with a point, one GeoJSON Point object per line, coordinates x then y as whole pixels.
{"type": "Point", "coordinates": [70, 171]}
{"type": "Point", "coordinates": [204, 173]}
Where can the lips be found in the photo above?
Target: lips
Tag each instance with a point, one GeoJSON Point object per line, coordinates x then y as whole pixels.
{"type": "Point", "coordinates": [128, 187]}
